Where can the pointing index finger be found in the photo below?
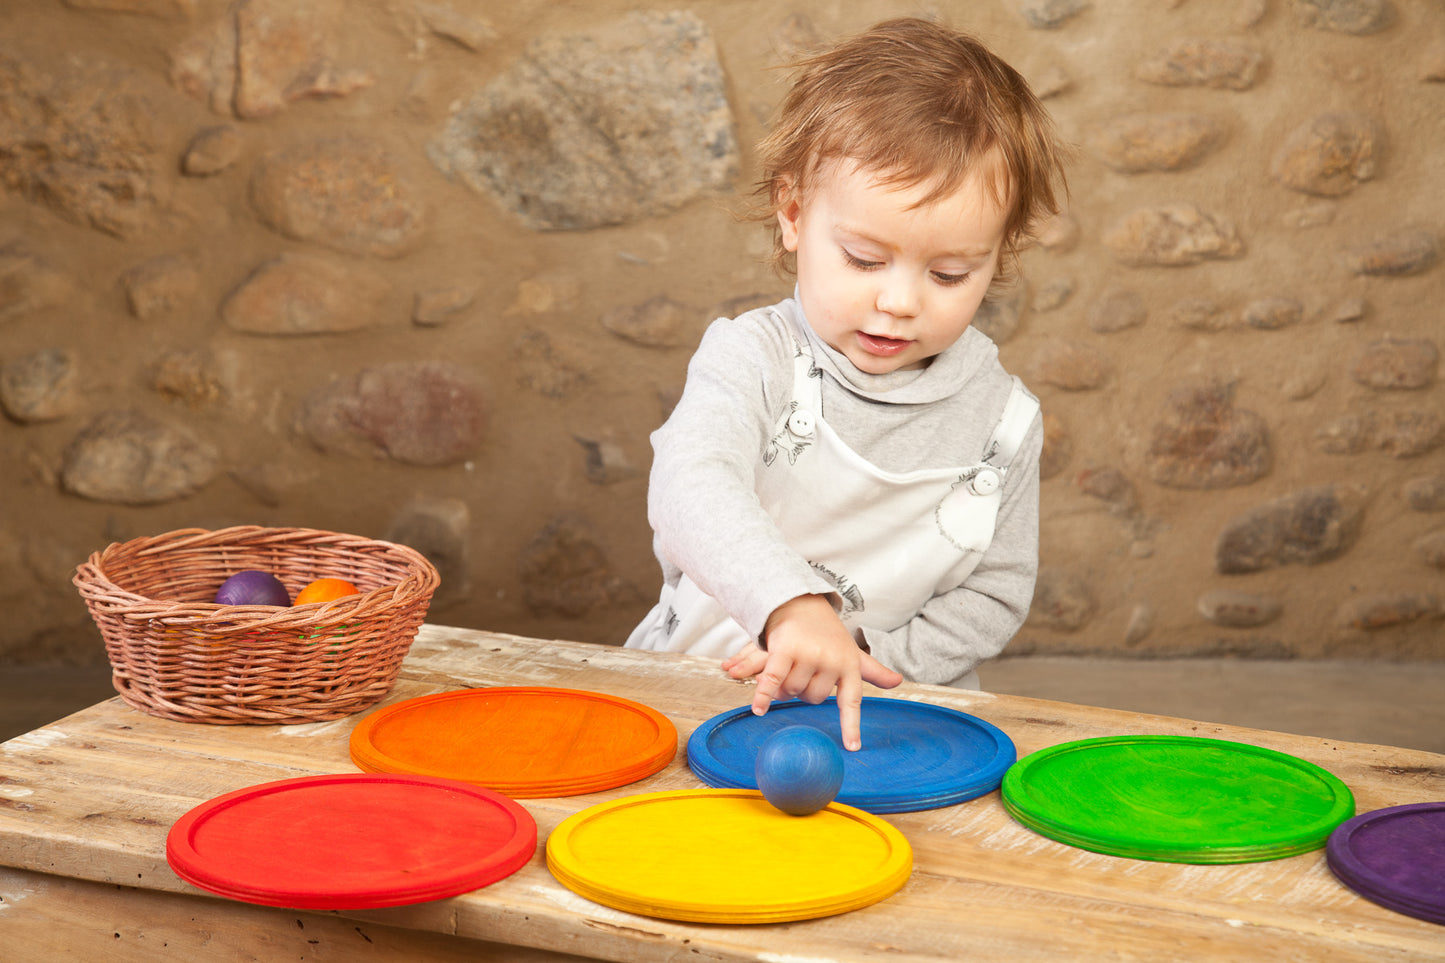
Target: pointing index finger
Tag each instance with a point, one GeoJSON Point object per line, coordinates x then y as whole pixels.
{"type": "Point", "coordinates": [850, 712]}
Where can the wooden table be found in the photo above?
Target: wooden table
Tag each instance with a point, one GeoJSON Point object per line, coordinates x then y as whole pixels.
{"type": "Point", "coordinates": [85, 805]}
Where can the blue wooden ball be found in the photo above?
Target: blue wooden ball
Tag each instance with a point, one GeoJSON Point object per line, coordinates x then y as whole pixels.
{"type": "Point", "coordinates": [799, 769]}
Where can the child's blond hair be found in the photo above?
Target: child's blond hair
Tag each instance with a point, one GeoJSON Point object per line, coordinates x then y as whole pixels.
{"type": "Point", "coordinates": [916, 103]}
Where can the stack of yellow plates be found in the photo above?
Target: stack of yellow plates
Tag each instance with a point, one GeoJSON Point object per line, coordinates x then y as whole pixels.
{"type": "Point", "coordinates": [727, 856]}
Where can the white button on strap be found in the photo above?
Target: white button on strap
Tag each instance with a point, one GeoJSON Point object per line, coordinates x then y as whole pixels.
{"type": "Point", "coordinates": [985, 481]}
{"type": "Point", "coordinates": [800, 423]}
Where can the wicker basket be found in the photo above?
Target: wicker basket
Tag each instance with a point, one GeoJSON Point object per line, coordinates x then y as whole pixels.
{"type": "Point", "coordinates": [176, 654]}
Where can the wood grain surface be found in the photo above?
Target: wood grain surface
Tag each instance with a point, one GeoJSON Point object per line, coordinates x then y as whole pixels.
{"type": "Point", "coordinates": [86, 802]}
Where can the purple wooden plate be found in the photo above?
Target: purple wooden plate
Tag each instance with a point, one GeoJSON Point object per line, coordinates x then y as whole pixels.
{"type": "Point", "coordinates": [1394, 857]}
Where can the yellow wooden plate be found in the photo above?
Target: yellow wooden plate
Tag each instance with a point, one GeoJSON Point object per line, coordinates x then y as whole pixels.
{"type": "Point", "coordinates": [727, 856]}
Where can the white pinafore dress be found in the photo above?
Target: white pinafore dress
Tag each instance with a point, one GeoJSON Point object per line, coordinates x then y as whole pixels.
{"type": "Point", "coordinates": [887, 542]}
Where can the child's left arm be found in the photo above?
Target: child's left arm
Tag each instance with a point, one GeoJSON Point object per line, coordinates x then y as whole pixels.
{"type": "Point", "coordinates": [956, 631]}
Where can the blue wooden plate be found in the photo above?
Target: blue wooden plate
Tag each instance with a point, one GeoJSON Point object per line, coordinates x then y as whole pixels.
{"type": "Point", "coordinates": [915, 755]}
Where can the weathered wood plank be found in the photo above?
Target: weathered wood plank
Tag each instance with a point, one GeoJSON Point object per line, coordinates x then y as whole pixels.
{"type": "Point", "coordinates": [92, 797]}
{"type": "Point", "coordinates": [50, 918]}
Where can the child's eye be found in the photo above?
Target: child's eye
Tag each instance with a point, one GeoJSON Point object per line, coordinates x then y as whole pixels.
{"type": "Point", "coordinates": [857, 262]}
{"type": "Point", "coordinates": [950, 280]}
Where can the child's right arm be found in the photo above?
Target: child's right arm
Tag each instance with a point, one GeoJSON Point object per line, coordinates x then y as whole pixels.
{"type": "Point", "coordinates": [703, 507]}
{"type": "Point", "coordinates": [702, 501]}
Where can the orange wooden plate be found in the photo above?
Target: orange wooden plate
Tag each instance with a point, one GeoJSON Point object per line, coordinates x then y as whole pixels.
{"type": "Point", "coordinates": [525, 742]}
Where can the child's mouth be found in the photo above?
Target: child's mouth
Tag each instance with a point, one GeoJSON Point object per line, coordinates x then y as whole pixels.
{"type": "Point", "coordinates": [881, 346]}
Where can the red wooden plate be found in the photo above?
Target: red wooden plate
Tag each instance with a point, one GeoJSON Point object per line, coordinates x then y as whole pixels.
{"type": "Point", "coordinates": [351, 841]}
{"type": "Point", "coordinates": [527, 742]}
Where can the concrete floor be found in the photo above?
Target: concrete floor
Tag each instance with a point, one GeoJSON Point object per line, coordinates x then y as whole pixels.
{"type": "Point", "coordinates": [31, 696]}
{"type": "Point", "coordinates": [1382, 703]}
{"type": "Point", "coordinates": [1395, 704]}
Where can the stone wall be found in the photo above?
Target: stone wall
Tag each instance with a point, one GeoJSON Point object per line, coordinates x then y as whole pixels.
{"type": "Point", "coordinates": [430, 270]}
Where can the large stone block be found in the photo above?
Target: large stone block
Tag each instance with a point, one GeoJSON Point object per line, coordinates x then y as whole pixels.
{"type": "Point", "coordinates": [1204, 441]}
{"type": "Point", "coordinates": [603, 127]}
{"type": "Point", "coordinates": [130, 458]}
{"type": "Point", "coordinates": [1306, 527]}
{"type": "Point", "coordinates": [305, 294]}
{"type": "Point", "coordinates": [261, 55]}
{"type": "Point", "coordinates": [348, 193]}
{"type": "Point", "coordinates": [80, 137]}
{"type": "Point", "coordinates": [1171, 235]}
{"type": "Point", "coordinates": [420, 413]}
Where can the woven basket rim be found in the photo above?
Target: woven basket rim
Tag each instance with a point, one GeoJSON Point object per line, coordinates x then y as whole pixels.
{"type": "Point", "coordinates": [98, 588]}
{"type": "Point", "coordinates": [197, 661]}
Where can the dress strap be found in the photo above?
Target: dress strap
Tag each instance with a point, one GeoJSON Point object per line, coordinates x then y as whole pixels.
{"type": "Point", "coordinates": [1018, 414]}
{"type": "Point", "coordinates": [807, 403]}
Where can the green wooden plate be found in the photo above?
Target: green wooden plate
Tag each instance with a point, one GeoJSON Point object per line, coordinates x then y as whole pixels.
{"type": "Point", "coordinates": [1179, 799]}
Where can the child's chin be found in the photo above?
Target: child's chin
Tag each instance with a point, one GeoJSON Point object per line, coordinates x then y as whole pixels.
{"type": "Point", "coordinates": [872, 364]}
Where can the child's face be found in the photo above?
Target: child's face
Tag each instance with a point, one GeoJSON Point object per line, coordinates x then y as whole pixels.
{"type": "Point", "coordinates": [886, 283]}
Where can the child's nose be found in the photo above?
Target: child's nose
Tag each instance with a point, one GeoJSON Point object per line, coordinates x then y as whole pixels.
{"type": "Point", "coordinates": [898, 294]}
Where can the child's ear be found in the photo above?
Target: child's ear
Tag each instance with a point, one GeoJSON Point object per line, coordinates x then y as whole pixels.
{"type": "Point", "coordinates": [789, 208]}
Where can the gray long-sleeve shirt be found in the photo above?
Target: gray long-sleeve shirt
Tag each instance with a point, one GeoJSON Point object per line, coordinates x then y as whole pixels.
{"type": "Point", "coordinates": [709, 523]}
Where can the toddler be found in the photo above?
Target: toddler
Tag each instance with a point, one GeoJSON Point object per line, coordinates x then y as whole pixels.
{"type": "Point", "coordinates": [847, 490]}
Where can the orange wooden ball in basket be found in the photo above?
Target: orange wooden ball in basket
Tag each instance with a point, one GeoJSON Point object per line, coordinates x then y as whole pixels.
{"type": "Point", "coordinates": [324, 590]}
{"type": "Point", "coordinates": [174, 653]}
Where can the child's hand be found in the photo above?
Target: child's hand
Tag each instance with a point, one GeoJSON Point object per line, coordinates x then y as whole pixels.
{"type": "Point", "coordinates": [810, 652]}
